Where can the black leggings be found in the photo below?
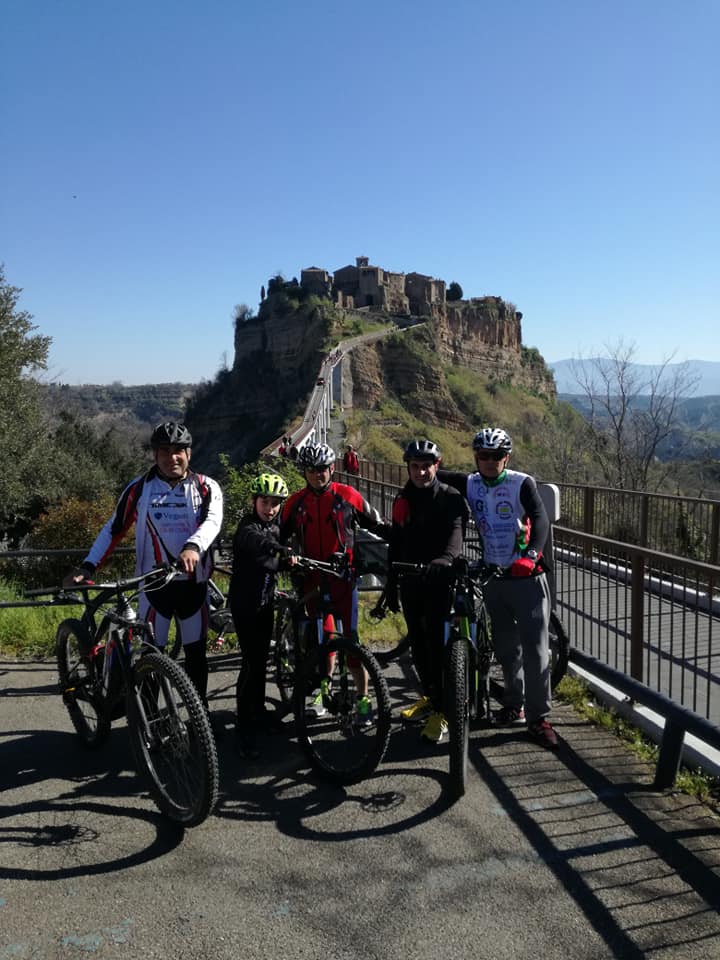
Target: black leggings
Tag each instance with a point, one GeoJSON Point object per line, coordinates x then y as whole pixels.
{"type": "Point", "coordinates": [425, 607]}
{"type": "Point", "coordinates": [183, 599]}
{"type": "Point", "coordinates": [254, 629]}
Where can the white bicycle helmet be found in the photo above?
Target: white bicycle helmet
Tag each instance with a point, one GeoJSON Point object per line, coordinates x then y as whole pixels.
{"type": "Point", "coordinates": [316, 455]}
{"type": "Point", "coordinates": [492, 438]}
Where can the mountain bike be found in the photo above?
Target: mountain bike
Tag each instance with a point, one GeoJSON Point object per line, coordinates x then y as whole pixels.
{"type": "Point", "coordinates": [466, 662]}
{"type": "Point", "coordinates": [558, 638]}
{"type": "Point", "coordinates": [108, 666]}
{"type": "Point", "coordinates": [469, 658]}
{"type": "Point", "coordinates": [313, 655]}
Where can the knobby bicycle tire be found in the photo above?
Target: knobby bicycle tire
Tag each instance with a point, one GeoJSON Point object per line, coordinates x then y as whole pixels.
{"type": "Point", "coordinates": [342, 746]}
{"type": "Point", "coordinates": [481, 660]}
{"type": "Point", "coordinates": [172, 740]}
{"type": "Point", "coordinates": [559, 650]}
{"type": "Point", "coordinates": [457, 712]}
{"type": "Point", "coordinates": [79, 683]}
{"type": "Point", "coordinates": [284, 651]}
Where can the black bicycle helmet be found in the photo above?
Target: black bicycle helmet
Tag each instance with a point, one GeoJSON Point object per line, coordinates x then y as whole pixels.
{"type": "Point", "coordinates": [422, 450]}
{"type": "Point", "coordinates": [316, 455]}
{"type": "Point", "coordinates": [171, 434]}
{"type": "Point", "coordinates": [492, 438]}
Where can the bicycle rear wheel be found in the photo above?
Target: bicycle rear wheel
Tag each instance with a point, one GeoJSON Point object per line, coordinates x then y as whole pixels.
{"type": "Point", "coordinates": [457, 712]}
{"type": "Point", "coordinates": [79, 683]}
{"type": "Point", "coordinates": [343, 744]}
{"type": "Point", "coordinates": [559, 650]}
{"type": "Point", "coordinates": [172, 740]}
{"type": "Point", "coordinates": [284, 651]}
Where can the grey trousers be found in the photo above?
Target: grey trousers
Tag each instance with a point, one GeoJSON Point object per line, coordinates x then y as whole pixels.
{"type": "Point", "coordinates": [519, 611]}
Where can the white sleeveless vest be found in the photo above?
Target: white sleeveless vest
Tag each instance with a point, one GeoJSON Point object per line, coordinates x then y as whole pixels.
{"type": "Point", "coordinates": [499, 516]}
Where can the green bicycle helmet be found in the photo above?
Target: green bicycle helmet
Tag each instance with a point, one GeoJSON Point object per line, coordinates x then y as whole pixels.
{"type": "Point", "coordinates": [269, 485]}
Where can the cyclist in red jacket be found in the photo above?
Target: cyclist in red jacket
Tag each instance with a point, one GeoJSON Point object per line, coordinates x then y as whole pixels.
{"type": "Point", "coordinates": [322, 517]}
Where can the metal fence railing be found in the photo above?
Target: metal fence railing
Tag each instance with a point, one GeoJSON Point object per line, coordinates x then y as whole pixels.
{"type": "Point", "coordinates": [647, 614]}
{"type": "Point", "coordinates": [685, 526]}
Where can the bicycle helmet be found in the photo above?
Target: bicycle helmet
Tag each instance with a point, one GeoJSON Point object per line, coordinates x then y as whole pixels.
{"type": "Point", "coordinates": [316, 455]}
{"type": "Point", "coordinates": [492, 438]}
{"type": "Point", "coordinates": [269, 485]}
{"type": "Point", "coordinates": [171, 434]}
{"type": "Point", "coordinates": [422, 450]}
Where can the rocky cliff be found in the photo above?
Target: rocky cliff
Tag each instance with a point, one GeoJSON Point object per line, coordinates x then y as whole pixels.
{"type": "Point", "coordinates": [278, 354]}
{"type": "Point", "coordinates": [483, 335]}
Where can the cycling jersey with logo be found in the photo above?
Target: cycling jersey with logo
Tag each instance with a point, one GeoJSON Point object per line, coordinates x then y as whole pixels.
{"type": "Point", "coordinates": [499, 516]}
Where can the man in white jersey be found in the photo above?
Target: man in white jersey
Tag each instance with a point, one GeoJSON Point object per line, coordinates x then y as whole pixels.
{"type": "Point", "coordinates": [177, 515]}
{"type": "Point", "coordinates": [513, 524]}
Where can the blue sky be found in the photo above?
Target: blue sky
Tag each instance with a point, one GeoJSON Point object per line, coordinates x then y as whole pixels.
{"type": "Point", "coordinates": [162, 159]}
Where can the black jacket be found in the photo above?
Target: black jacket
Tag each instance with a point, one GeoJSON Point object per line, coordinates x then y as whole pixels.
{"type": "Point", "coordinates": [427, 524]}
{"type": "Point", "coordinates": [256, 557]}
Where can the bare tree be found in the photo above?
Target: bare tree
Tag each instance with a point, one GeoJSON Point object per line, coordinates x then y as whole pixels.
{"type": "Point", "coordinates": [631, 410]}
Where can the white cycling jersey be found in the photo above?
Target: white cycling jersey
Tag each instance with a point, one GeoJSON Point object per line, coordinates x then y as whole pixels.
{"type": "Point", "coordinates": [166, 519]}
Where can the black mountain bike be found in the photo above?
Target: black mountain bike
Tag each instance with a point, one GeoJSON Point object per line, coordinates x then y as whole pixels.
{"type": "Point", "coordinates": [559, 646]}
{"type": "Point", "coordinates": [313, 656]}
{"type": "Point", "coordinates": [469, 658]}
{"type": "Point", "coordinates": [108, 666]}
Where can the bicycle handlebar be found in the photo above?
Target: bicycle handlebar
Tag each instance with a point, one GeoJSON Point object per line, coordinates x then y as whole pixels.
{"type": "Point", "coordinates": [165, 573]}
{"type": "Point", "coordinates": [336, 567]}
{"type": "Point", "coordinates": [461, 566]}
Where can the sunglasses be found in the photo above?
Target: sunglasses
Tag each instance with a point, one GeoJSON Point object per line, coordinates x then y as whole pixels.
{"type": "Point", "coordinates": [317, 469]}
{"type": "Point", "coordinates": [496, 455]}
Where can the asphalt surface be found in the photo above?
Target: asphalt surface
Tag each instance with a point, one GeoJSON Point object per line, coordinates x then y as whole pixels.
{"type": "Point", "coordinates": [567, 854]}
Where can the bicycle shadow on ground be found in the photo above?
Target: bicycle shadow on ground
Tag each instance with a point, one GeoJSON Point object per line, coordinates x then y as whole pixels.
{"type": "Point", "coordinates": [80, 822]}
{"type": "Point", "coordinates": [608, 837]}
{"type": "Point", "coordinates": [279, 787]}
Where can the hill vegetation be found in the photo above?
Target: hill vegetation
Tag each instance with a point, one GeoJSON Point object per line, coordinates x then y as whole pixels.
{"type": "Point", "coordinates": [435, 380]}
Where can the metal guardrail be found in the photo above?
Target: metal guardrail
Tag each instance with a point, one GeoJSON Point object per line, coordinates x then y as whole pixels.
{"type": "Point", "coordinates": [689, 526]}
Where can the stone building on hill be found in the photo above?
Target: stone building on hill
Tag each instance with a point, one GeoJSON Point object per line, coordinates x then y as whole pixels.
{"type": "Point", "coordinates": [365, 285]}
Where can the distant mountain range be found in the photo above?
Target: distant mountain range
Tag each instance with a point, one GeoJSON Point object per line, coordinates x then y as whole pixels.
{"type": "Point", "coordinates": [706, 371]}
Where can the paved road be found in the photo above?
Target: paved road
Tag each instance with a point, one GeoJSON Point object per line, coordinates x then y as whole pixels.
{"type": "Point", "coordinates": [550, 855]}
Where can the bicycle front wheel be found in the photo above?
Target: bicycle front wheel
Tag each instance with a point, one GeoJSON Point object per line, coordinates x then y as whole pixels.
{"type": "Point", "coordinates": [79, 684]}
{"type": "Point", "coordinates": [559, 650]}
{"type": "Point", "coordinates": [284, 651]}
{"type": "Point", "coordinates": [343, 736]}
{"type": "Point", "coordinates": [457, 712]}
{"type": "Point", "coordinates": [172, 740]}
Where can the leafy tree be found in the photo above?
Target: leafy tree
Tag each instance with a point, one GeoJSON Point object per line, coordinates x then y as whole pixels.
{"type": "Point", "coordinates": [72, 524]}
{"type": "Point", "coordinates": [27, 460]}
{"type": "Point", "coordinates": [236, 487]}
{"type": "Point", "coordinates": [454, 291]}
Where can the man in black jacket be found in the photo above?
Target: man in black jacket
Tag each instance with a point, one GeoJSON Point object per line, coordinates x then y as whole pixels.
{"type": "Point", "coordinates": [428, 522]}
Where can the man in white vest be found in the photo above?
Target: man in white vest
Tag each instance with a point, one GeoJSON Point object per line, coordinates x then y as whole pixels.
{"type": "Point", "coordinates": [513, 525]}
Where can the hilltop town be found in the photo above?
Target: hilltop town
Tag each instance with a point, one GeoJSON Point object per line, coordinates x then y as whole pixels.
{"type": "Point", "coordinates": [362, 284]}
